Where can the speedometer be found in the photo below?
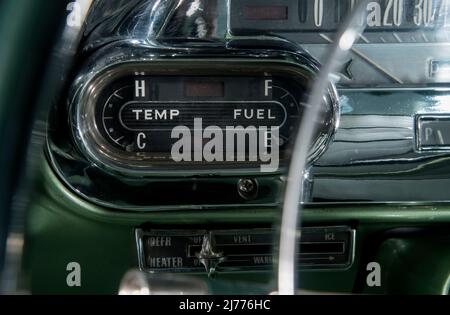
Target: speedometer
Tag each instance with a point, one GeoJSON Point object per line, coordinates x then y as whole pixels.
{"type": "Point", "coordinates": [386, 20]}
{"type": "Point", "coordinates": [405, 42]}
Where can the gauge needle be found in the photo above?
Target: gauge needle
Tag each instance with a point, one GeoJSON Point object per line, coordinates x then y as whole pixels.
{"type": "Point", "coordinates": [368, 60]}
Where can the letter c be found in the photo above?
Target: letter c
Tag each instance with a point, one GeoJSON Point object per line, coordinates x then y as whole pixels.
{"type": "Point", "coordinates": [140, 140]}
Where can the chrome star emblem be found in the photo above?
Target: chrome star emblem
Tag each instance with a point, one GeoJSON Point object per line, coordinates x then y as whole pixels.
{"type": "Point", "coordinates": [208, 255]}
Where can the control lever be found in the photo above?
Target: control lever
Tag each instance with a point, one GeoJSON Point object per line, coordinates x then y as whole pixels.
{"type": "Point", "coordinates": [208, 256]}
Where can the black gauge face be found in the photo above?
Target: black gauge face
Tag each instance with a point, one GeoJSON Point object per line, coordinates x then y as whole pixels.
{"type": "Point", "coordinates": [200, 117]}
{"type": "Point", "coordinates": [138, 114]}
{"type": "Point", "coordinates": [316, 21]}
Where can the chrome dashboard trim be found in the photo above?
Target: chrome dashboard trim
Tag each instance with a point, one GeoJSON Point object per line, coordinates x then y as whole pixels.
{"type": "Point", "coordinates": [140, 233]}
{"type": "Point", "coordinates": [373, 158]}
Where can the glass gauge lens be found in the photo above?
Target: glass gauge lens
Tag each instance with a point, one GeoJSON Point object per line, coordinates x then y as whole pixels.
{"type": "Point", "coordinates": [396, 21]}
{"type": "Point", "coordinates": [139, 114]}
{"type": "Point", "coordinates": [238, 116]}
{"type": "Point", "coordinates": [405, 42]}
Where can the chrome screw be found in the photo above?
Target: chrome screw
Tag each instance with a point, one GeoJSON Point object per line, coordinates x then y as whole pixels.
{"type": "Point", "coordinates": [247, 188]}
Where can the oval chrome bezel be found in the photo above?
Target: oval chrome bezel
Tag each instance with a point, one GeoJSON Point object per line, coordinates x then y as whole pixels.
{"type": "Point", "coordinates": [91, 143]}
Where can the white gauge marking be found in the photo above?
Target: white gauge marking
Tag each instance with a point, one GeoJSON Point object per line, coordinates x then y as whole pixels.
{"type": "Point", "coordinates": [107, 104]}
{"type": "Point", "coordinates": [441, 138]}
{"type": "Point", "coordinates": [141, 140]}
{"type": "Point", "coordinates": [139, 86]}
{"type": "Point", "coordinates": [284, 108]}
{"type": "Point", "coordinates": [284, 95]}
{"type": "Point", "coordinates": [267, 87]}
{"type": "Point", "coordinates": [117, 140]}
{"type": "Point", "coordinates": [364, 38]}
{"type": "Point", "coordinates": [397, 37]}
{"type": "Point", "coordinates": [116, 95]}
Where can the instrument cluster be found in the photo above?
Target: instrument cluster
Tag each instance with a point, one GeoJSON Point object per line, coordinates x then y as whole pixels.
{"type": "Point", "coordinates": [203, 97]}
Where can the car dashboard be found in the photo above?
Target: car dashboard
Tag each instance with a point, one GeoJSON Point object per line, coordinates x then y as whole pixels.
{"type": "Point", "coordinates": [167, 145]}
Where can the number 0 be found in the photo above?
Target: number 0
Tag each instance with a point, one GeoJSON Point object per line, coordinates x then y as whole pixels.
{"type": "Point", "coordinates": [424, 13]}
{"type": "Point", "coordinates": [318, 12]}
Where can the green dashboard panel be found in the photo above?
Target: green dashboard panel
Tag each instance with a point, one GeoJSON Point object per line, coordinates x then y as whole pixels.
{"type": "Point", "coordinates": [62, 228]}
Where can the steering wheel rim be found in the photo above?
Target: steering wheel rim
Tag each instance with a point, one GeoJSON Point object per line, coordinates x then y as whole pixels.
{"type": "Point", "coordinates": [346, 36]}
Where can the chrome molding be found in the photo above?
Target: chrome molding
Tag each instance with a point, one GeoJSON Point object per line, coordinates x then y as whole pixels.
{"type": "Point", "coordinates": [374, 156]}
{"type": "Point", "coordinates": [144, 59]}
{"type": "Point", "coordinates": [205, 243]}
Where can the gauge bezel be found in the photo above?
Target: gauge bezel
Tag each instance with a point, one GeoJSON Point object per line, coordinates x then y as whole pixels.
{"type": "Point", "coordinates": [92, 144]}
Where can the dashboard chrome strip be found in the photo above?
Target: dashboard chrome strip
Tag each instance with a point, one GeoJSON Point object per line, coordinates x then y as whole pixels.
{"type": "Point", "coordinates": [231, 250]}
